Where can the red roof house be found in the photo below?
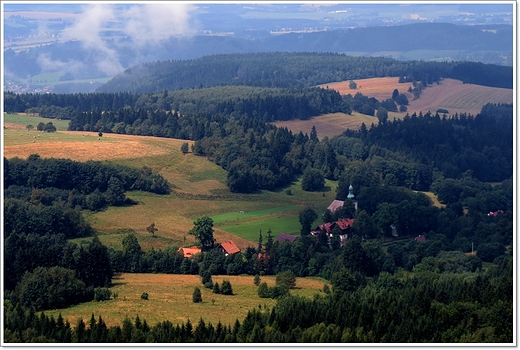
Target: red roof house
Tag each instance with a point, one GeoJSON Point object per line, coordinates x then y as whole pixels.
{"type": "Point", "coordinates": [345, 224]}
{"type": "Point", "coordinates": [189, 252]}
{"type": "Point", "coordinates": [229, 247]}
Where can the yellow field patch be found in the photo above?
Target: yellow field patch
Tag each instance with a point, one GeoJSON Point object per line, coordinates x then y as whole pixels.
{"type": "Point", "coordinates": [170, 298]}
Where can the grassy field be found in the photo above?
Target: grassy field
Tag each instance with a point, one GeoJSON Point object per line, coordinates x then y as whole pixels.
{"type": "Point", "coordinates": [198, 188]}
{"type": "Point", "coordinates": [170, 298]}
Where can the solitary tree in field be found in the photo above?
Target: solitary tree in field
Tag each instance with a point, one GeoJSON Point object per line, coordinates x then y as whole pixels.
{"type": "Point", "coordinates": [286, 277]}
{"type": "Point", "coordinates": [203, 232]}
{"type": "Point", "coordinates": [30, 127]}
{"type": "Point", "coordinates": [352, 85]}
{"type": "Point", "coordinates": [151, 229]}
{"type": "Point", "coordinates": [184, 148]}
{"type": "Point", "coordinates": [197, 295]}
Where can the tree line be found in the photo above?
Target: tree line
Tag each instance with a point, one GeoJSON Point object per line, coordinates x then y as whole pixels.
{"type": "Point", "coordinates": [428, 306]}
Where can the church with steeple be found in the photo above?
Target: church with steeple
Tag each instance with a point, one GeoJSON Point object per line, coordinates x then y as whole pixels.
{"type": "Point", "coordinates": [336, 204]}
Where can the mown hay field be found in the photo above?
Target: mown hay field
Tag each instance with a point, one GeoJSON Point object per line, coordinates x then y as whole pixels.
{"type": "Point", "coordinates": [170, 298]}
{"type": "Point", "coordinates": [450, 94]}
{"type": "Point", "coordinates": [329, 125]}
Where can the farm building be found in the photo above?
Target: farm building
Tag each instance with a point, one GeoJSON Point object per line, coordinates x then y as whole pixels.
{"type": "Point", "coordinates": [189, 252]}
{"type": "Point", "coordinates": [285, 237]}
{"type": "Point", "coordinates": [228, 247]}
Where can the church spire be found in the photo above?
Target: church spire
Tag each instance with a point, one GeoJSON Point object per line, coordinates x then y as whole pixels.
{"type": "Point", "coordinates": [350, 192]}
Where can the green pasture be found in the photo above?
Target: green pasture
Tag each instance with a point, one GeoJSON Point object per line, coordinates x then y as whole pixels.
{"type": "Point", "coordinates": [286, 224]}
{"type": "Point", "coordinates": [237, 216]}
{"type": "Point", "coordinates": [25, 120]}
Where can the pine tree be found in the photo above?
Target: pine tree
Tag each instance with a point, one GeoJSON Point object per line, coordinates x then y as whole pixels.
{"type": "Point", "coordinates": [197, 295]}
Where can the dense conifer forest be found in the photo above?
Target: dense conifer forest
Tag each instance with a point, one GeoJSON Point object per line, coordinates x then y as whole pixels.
{"type": "Point", "coordinates": [284, 69]}
{"type": "Point", "coordinates": [383, 290]}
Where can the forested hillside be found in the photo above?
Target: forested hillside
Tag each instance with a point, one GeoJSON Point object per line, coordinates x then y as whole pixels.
{"type": "Point", "coordinates": [283, 69]}
{"type": "Point", "coordinates": [454, 284]}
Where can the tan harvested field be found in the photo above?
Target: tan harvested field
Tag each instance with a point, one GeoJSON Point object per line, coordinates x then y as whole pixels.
{"type": "Point", "coordinates": [328, 125]}
{"type": "Point", "coordinates": [170, 298]}
{"type": "Point", "coordinates": [82, 146]}
{"type": "Point", "coordinates": [379, 88]}
{"type": "Point", "coordinates": [450, 94]}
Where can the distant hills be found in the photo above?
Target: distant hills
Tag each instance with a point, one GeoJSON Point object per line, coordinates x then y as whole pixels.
{"type": "Point", "coordinates": [421, 41]}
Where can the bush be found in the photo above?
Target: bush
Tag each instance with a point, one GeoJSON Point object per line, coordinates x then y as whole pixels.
{"type": "Point", "coordinates": [216, 288]}
{"type": "Point", "coordinates": [226, 288]}
{"type": "Point", "coordinates": [197, 295]}
{"type": "Point", "coordinates": [144, 296]}
{"type": "Point", "coordinates": [207, 281]}
{"type": "Point", "coordinates": [286, 278]}
{"type": "Point", "coordinates": [256, 280]}
{"type": "Point", "coordinates": [279, 291]}
{"type": "Point", "coordinates": [263, 290]}
{"type": "Point", "coordinates": [101, 294]}
{"type": "Point", "coordinates": [272, 292]}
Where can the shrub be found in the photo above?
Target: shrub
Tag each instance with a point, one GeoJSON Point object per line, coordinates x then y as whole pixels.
{"type": "Point", "coordinates": [286, 278]}
{"type": "Point", "coordinates": [279, 291]}
{"type": "Point", "coordinates": [101, 294]}
{"type": "Point", "coordinates": [263, 290]}
{"type": "Point", "coordinates": [226, 288]}
{"type": "Point", "coordinates": [207, 281]}
{"type": "Point", "coordinates": [256, 280]}
{"type": "Point", "coordinates": [144, 296]}
{"type": "Point", "coordinates": [216, 288]}
{"type": "Point", "coordinates": [197, 295]}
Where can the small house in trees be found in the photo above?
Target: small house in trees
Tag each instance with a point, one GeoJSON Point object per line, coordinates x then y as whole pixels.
{"type": "Point", "coordinates": [345, 225]}
{"type": "Point", "coordinates": [326, 227]}
{"type": "Point", "coordinates": [420, 238]}
{"type": "Point", "coordinates": [228, 247]}
{"type": "Point", "coordinates": [285, 237]}
{"type": "Point", "coordinates": [189, 252]}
